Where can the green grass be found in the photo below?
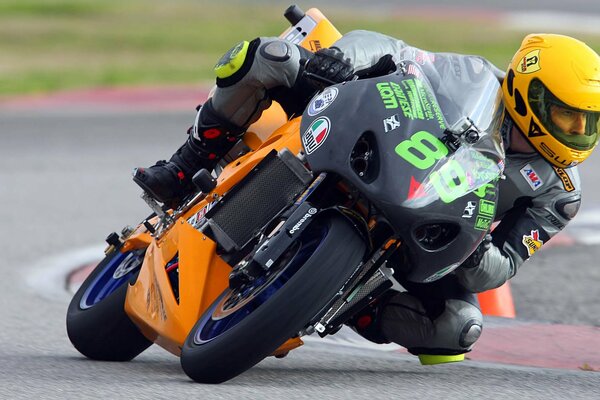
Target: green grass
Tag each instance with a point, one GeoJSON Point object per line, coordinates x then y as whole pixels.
{"type": "Point", "coordinates": [48, 45]}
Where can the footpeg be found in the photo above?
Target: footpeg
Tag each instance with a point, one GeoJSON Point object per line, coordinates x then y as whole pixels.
{"type": "Point", "coordinates": [204, 181]}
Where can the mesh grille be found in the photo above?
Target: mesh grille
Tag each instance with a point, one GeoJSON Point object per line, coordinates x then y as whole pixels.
{"type": "Point", "coordinates": [339, 308]}
{"type": "Point", "coordinates": [263, 194]}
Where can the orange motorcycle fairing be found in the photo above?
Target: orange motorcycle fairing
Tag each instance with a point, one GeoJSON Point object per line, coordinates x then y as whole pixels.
{"type": "Point", "coordinates": [151, 302]}
{"type": "Point", "coordinates": [203, 275]}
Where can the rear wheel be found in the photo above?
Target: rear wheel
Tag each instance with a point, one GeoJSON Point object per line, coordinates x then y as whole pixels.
{"type": "Point", "coordinates": [245, 325]}
{"type": "Point", "coordinates": [97, 324]}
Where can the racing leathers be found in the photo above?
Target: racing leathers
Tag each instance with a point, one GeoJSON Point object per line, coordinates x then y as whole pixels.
{"type": "Point", "coordinates": [536, 200]}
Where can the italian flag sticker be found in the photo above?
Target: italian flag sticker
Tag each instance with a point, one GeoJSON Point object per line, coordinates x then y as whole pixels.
{"type": "Point", "coordinates": [316, 134]}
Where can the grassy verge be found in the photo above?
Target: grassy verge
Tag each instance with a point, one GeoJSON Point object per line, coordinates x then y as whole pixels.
{"type": "Point", "coordinates": [48, 45]}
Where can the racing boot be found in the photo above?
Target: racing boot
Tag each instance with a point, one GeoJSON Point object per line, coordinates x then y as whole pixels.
{"type": "Point", "coordinates": [169, 182]}
{"type": "Point", "coordinates": [367, 322]}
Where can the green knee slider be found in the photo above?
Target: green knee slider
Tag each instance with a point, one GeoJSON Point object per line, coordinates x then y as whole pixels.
{"type": "Point", "coordinates": [232, 61]}
{"type": "Point", "coordinates": [236, 63]}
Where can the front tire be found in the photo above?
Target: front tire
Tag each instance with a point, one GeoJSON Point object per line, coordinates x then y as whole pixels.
{"type": "Point", "coordinates": [97, 324]}
{"type": "Point", "coordinates": [226, 342]}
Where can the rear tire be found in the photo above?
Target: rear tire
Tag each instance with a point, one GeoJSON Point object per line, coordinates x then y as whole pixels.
{"type": "Point", "coordinates": [97, 324]}
{"type": "Point", "coordinates": [222, 346]}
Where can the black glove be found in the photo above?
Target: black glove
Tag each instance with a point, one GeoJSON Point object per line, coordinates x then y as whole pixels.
{"type": "Point", "coordinates": [327, 67]}
{"type": "Point", "coordinates": [475, 258]}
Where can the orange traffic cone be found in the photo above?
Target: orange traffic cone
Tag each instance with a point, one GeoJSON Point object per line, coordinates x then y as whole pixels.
{"type": "Point", "coordinates": [498, 302]}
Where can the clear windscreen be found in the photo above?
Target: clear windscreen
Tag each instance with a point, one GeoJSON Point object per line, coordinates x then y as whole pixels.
{"type": "Point", "coordinates": [472, 166]}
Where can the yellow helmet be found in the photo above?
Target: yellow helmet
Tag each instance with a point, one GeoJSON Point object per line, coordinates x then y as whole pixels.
{"type": "Point", "coordinates": [552, 93]}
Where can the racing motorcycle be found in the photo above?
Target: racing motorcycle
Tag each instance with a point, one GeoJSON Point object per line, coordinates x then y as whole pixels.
{"type": "Point", "coordinates": [296, 232]}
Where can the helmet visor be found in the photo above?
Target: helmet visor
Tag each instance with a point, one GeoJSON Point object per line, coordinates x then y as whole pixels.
{"type": "Point", "coordinates": [573, 127]}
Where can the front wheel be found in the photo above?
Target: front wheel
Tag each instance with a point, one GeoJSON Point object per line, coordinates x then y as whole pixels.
{"type": "Point", "coordinates": [97, 324]}
{"type": "Point", "coordinates": [245, 325]}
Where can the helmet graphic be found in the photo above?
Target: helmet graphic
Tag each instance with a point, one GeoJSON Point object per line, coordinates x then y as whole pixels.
{"type": "Point", "coordinates": [552, 93]}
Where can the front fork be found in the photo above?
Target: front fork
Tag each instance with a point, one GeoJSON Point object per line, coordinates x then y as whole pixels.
{"type": "Point", "coordinates": [368, 281]}
{"type": "Point", "coordinates": [294, 221]}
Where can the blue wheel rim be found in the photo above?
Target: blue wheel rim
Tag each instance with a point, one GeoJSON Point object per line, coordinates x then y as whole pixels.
{"type": "Point", "coordinates": [210, 328]}
{"type": "Point", "coordinates": [116, 272]}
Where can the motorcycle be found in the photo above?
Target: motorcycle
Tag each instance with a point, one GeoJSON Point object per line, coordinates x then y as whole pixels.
{"type": "Point", "coordinates": [382, 179]}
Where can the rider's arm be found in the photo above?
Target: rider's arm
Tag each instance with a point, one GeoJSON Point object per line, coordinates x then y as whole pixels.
{"type": "Point", "coordinates": [520, 233]}
{"type": "Point", "coordinates": [366, 48]}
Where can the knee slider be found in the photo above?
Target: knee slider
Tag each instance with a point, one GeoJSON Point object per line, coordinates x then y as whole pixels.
{"type": "Point", "coordinates": [455, 330]}
{"type": "Point", "coordinates": [467, 319]}
{"type": "Point", "coordinates": [236, 63]}
{"type": "Point", "coordinates": [470, 333]}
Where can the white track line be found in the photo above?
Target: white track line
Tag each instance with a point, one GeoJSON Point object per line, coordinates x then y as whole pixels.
{"type": "Point", "coordinates": [47, 276]}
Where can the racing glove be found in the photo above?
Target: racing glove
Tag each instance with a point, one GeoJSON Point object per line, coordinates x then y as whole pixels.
{"type": "Point", "coordinates": [475, 258]}
{"type": "Point", "coordinates": [487, 268]}
{"type": "Point", "coordinates": [327, 67]}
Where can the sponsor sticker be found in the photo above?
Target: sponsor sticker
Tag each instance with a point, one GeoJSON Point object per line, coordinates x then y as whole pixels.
{"type": "Point", "coordinates": [322, 101]}
{"type": "Point", "coordinates": [316, 134]}
{"type": "Point", "coordinates": [486, 190]}
{"type": "Point", "coordinates": [412, 97]}
{"type": "Point", "coordinates": [532, 242]}
{"type": "Point", "coordinates": [311, 211]}
{"type": "Point", "coordinates": [197, 219]}
{"type": "Point", "coordinates": [529, 63]}
{"type": "Point", "coordinates": [564, 177]}
{"type": "Point", "coordinates": [532, 178]}
{"type": "Point", "coordinates": [556, 157]}
{"type": "Point", "coordinates": [413, 70]}
{"type": "Point", "coordinates": [315, 45]}
{"type": "Point", "coordinates": [391, 123]}
{"type": "Point", "coordinates": [487, 207]}
{"type": "Point", "coordinates": [423, 56]}
{"type": "Point", "coordinates": [501, 165]}
{"type": "Point", "coordinates": [483, 223]}
{"type": "Point", "coordinates": [554, 221]}
{"type": "Point", "coordinates": [469, 209]}
{"type": "Point", "coordinates": [389, 91]}
{"type": "Point", "coordinates": [535, 130]}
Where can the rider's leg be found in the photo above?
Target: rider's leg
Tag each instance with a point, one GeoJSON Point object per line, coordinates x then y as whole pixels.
{"type": "Point", "coordinates": [248, 76]}
{"type": "Point", "coordinates": [210, 138]}
{"type": "Point", "coordinates": [439, 322]}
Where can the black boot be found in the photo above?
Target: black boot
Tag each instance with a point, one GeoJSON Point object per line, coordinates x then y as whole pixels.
{"type": "Point", "coordinates": [171, 181]}
{"type": "Point", "coordinates": [367, 322]}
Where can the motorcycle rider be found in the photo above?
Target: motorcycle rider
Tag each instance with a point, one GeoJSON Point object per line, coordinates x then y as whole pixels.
{"type": "Point", "coordinates": [551, 95]}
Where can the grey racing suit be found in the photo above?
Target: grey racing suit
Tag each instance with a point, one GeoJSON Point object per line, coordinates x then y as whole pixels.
{"type": "Point", "coordinates": [536, 200]}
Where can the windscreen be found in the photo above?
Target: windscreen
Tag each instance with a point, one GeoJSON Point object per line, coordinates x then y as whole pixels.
{"type": "Point", "coordinates": [470, 102]}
